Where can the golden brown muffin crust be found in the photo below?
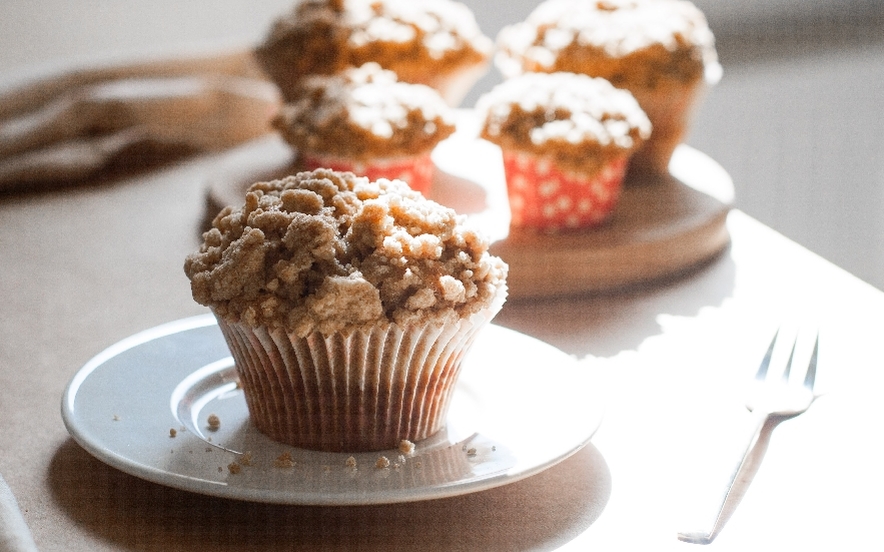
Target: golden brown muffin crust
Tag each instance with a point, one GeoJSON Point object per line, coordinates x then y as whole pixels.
{"type": "Point", "coordinates": [329, 251]}
{"type": "Point", "coordinates": [363, 114]}
{"type": "Point", "coordinates": [414, 38]}
{"type": "Point", "coordinates": [632, 43]}
{"type": "Point", "coordinates": [580, 121]}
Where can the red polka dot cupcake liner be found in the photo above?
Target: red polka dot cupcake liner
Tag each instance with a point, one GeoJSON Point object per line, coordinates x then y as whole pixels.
{"type": "Point", "coordinates": [543, 196]}
{"type": "Point", "coordinates": [416, 171]}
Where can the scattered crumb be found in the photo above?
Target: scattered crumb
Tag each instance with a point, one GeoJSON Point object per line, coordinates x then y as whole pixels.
{"type": "Point", "coordinates": [246, 459]}
{"type": "Point", "coordinates": [326, 469]}
{"type": "Point", "coordinates": [406, 446]}
{"type": "Point", "coordinates": [116, 418]}
{"type": "Point", "coordinates": [351, 462]}
{"type": "Point", "coordinates": [418, 464]}
{"type": "Point", "coordinates": [214, 422]}
{"type": "Point", "coordinates": [208, 449]}
{"type": "Point", "coordinates": [173, 432]}
{"type": "Point", "coordinates": [471, 452]}
{"type": "Point", "coordinates": [208, 439]}
{"type": "Point", "coordinates": [234, 468]}
{"type": "Point", "coordinates": [382, 462]}
{"type": "Point", "coordinates": [220, 469]}
{"type": "Point", "coordinates": [284, 460]}
{"type": "Point", "coordinates": [401, 459]}
{"type": "Point", "coordinates": [494, 449]}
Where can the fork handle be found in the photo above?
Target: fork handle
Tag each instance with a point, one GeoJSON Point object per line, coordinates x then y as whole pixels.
{"type": "Point", "coordinates": [740, 478]}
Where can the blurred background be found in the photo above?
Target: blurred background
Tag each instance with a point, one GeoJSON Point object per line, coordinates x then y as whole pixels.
{"type": "Point", "coordinates": [797, 120]}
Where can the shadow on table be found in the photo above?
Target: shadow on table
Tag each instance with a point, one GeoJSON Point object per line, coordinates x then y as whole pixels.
{"type": "Point", "coordinates": [542, 512]}
{"type": "Point", "coordinates": [605, 324]}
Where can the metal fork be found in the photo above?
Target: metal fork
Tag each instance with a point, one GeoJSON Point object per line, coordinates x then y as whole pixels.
{"type": "Point", "coordinates": [771, 400]}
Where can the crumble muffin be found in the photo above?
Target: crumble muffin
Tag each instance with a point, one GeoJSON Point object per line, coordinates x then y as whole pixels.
{"type": "Point", "coordinates": [347, 305]}
{"type": "Point", "coordinates": [432, 42]}
{"type": "Point", "coordinates": [365, 121]}
{"type": "Point", "coordinates": [566, 140]}
{"type": "Point", "coordinates": [660, 50]}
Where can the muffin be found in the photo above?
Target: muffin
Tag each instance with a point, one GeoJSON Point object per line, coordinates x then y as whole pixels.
{"type": "Point", "coordinates": [348, 306]}
{"type": "Point", "coordinates": [566, 140]}
{"type": "Point", "coordinates": [364, 121]}
{"type": "Point", "coordinates": [431, 42]}
{"type": "Point", "coordinates": [660, 50]}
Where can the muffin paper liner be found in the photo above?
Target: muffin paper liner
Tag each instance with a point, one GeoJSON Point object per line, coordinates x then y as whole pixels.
{"type": "Point", "coordinates": [543, 196]}
{"type": "Point", "coordinates": [362, 391]}
{"type": "Point", "coordinates": [671, 110]}
{"type": "Point", "coordinates": [417, 171]}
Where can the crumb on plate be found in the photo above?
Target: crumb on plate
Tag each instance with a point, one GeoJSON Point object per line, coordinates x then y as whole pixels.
{"type": "Point", "coordinates": [214, 422]}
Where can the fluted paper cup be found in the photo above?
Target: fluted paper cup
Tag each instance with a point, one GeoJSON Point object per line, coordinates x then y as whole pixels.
{"type": "Point", "coordinates": [671, 108]}
{"type": "Point", "coordinates": [417, 170]}
{"type": "Point", "coordinates": [544, 196]}
{"type": "Point", "coordinates": [362, 391]}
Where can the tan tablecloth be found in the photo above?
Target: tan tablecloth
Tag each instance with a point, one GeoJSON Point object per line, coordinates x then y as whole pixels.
{"type": "Point", "coordinates": [84, 268]}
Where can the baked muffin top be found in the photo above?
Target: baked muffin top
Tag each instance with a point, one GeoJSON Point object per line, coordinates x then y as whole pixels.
{"type": "Point", "coordinates": [329, 251]}
{"type": "Point", "coordinates": [628, 42]}
{"type": "Point", "coordinates": [364, 113]}
{"type": "Point", "coordinates": [415, 38]}
{"type": "Point", "coordinates": [579, 121]}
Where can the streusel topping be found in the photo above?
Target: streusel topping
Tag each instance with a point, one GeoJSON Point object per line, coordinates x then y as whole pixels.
{"type": "Point", "coordinates": [328, 251]}
{"type": "Point", "coordinates": [365, 113]}
{"type": "Point", "coordinates": [624, 41]}
{"type": "Point", "coordinates": [573, 118]}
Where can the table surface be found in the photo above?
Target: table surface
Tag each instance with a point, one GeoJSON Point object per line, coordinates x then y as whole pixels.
{"type": "Point", "coordinates": [83, 268]}
{"type": "Point", "coordinates": [86, 267]}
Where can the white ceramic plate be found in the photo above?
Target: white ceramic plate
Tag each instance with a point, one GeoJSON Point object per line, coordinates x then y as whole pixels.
{"type": "Point", "coordinates": [520, 407]}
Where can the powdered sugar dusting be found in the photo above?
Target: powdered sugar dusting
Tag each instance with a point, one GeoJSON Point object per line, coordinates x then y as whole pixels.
{"type": "Point", "coordinates": [441, 25]}
{"type": "Point", "coordinates": [397, 117]}
{"type": "Point", "coordinates": [576, 109]}
{"type": "Point", "coordinates": [618, 28]}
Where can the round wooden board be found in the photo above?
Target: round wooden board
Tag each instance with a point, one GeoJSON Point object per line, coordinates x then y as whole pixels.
{"type": "Point", "coordinates": [663, 226]}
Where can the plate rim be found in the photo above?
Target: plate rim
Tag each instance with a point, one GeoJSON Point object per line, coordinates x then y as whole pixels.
{"type": "Point", "coordinates": [135, 468]}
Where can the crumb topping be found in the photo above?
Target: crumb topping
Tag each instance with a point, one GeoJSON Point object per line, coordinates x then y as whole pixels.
{"type": "Point", "coordinates": [625, 41]}
{"type": "Point", "coordinates": [214, 422]}
{"type": "Point", "coordinates": [406, 447]}
{"type": "Point", "coordinates": [407, 36]}
{"type": "Point", "coordinates": [284, 460]}
{"type": "Point", "coordinates": [365, 113]}
{"type": "Point", "coordinates": [574, 118]}
{"type": "Point", "coordinates": [328, 251]}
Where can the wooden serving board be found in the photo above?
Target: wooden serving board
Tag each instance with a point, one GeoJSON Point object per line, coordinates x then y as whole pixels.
{"type": "Point", "coordinates": [664, 225]}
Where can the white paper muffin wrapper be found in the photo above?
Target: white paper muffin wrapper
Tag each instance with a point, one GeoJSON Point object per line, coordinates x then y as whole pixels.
{"type": "Point", "coordinates": [364, 391]}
